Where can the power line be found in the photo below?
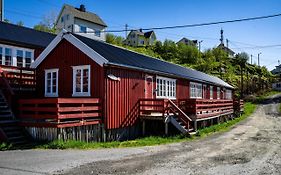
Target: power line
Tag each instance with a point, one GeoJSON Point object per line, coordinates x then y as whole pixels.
{"type": "Point", "coordinates": [206, 24]}
{"type": "Point", "coordinates": [23, 14]}
{"type": "Point", "coordinates": [260, 47]}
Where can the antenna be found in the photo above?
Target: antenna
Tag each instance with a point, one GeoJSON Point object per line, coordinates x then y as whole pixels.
{"type": "Point", "coordinates": [227, 43]}
{"type": "Point", "coordinates": [126, 30]}
{"type": "Point", "coordinates": [221, 36]}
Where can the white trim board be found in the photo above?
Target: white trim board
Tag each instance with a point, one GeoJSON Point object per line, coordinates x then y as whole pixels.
{"type": "Point", "coordinates": [76, 42]}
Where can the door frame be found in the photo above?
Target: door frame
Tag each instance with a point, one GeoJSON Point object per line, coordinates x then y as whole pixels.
{"type": "Point", "coordinates": [145, 90]}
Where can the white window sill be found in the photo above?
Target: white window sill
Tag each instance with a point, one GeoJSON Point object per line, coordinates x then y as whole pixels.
{"type": "Point", "coordinates": [81, 95]}
{"type": "Point", "coordinates": [51, 95]}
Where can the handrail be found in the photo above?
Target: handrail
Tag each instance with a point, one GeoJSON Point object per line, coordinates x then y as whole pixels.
{"type": "Point", "coordinates": [6, 88]}
{"type": "Point", "coordinates": [178, 109]}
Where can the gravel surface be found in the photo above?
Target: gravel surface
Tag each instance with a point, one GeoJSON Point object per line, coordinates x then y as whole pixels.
{"type": "Point", "coordinates": [252, 147]}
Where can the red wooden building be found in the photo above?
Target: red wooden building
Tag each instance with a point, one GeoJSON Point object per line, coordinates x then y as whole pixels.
{"type": "Point", "coordinates": [91, 90]}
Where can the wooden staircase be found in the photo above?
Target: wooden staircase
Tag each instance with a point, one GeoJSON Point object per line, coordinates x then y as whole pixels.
{"type": "Point", "coordinates": [10, 131]}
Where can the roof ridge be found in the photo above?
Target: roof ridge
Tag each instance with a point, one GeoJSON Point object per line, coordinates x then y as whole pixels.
{"type": "Point", "coordinates": [25, 27]}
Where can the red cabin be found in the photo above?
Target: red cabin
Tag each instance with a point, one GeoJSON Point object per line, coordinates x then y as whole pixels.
{"type": "Point", "coordinates": [91, 90]}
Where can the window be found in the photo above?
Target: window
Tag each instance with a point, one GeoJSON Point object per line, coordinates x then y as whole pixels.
{"type": "Point", "coordinates": [15, 56]}
{"type": "Point", "coordinates": [62, 19]}
{"type": "Point", "coordinates": [19, 58]}
{"type": "Point", "coordinates": [195, 90]}
{"type": "Point", "coordinates": [211, 92]}
{"type": "Point", "coordinates": [8, 56]}
{"type": "Point", "coordinates": [1, 56]}
{"type": "Point", "coordinates": [97, 32]}
{"type": "Point", "coordinates": [228, 94]}
{"type": "Point", "coordinates": [51, 83]}
{"type": "Point", "coordinates": [218, 92]}
{"type": "Point", "coordinates": [67, 17]}
{"type": "Point", "coordinates": [81, 80]}
{"type": "Point", "coordinates": [166, 88]}
{"type": "Point", "coordinates": [83, 29]}
{"type": "Point", "coordinates": [27, 59]}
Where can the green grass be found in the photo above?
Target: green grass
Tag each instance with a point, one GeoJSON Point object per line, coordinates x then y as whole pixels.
{"type": "Point", "coordinates": [4, 146]}
{"type": "Point", "coordinates": [249, 108]}
{"type": "Point", "coordinates": [261, 97]}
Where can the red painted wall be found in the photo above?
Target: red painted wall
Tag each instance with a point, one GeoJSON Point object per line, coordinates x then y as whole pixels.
{"type": "Point", "coordinates": [63, 57]}
{"type": "Point", "coordinates": [122, 97]}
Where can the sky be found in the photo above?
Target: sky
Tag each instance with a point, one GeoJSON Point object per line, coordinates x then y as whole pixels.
{"type": "Point", "coordinates": [242, 36]}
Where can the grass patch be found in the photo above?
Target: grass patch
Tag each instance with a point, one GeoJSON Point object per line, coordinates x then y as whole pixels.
{"type": "Point", "coordinates": [249, 108]}
{"type": "Point", "coordinates": [262, 97]}
{"type": "Point", "coordinates": [5, 146]}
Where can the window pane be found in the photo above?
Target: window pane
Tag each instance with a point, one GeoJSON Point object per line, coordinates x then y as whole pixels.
{"type": "Point", "coordinates": [54, 82]}
{"type": "Point", "coordinates": [78, 81]}
{"type": "Point", "coordinates": [85, 80]}
{"type": "Point", "coordinates": [48, 83]}
{"type": "Point", "coordinates": [27, 59]}
{"type": "Point", "coordinates": [8, 56]}
{"type": "Point", "coordinates": [157, 82]}
{"type": "Point", "coordinates": [97, 33]}
{"type": "Point", "coordinates": [164, 87]}
{"type": "Point", "coordinates": [19, 58]}
{"type": "Point", "coordinates": [83, 29]}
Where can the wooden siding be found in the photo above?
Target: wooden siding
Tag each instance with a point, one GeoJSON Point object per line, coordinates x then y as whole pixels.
{"type": "Point", "coordinates": [121, 101]}
{"type": "Point", "coordinates": [63, 57]}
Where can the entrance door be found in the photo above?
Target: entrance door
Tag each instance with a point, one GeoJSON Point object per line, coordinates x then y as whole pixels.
{"type": "Point", "coordinates": [148, 86]}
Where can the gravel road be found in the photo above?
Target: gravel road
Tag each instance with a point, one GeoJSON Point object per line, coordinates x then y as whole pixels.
{"type": "Point", "coordinates": [252, 147]}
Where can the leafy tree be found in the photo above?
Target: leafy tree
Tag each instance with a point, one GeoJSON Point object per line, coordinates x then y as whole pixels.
{"type": "Point", "coordinates": [47, 24]}
{"type": "Point", "coordinates": [20, 23]}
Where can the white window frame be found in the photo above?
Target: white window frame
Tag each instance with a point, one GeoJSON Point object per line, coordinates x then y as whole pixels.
{"type": "Point", "coordinates": [168, 87]}
{"type": "Point", "coordinates": [83, 94]}
{"type": "Point", "coordinates": [14, 54]}
{"type": "Point", "coordinates": [218, 93]}
{"type": "Point", "coordinates": [51, 94]}
{"type": "Point", "coordinates": [211, 92]}
{"type": "Point", "coordinates": [195, 89]}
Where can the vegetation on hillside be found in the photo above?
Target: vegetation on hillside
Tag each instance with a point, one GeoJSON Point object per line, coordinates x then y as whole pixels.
{"type": "Point", "coordinates": [247, 78]}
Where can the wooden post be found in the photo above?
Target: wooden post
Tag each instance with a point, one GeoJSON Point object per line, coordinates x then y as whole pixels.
{"type": "Point", "coordinates": [166, 128]}
{"type": "Point", "coordinates": [195, 125]}
{"type": "Point", "coordinates": [143, 127]}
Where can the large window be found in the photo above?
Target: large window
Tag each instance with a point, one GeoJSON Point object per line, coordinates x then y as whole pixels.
{"type": "Point", "coordinates": [8, 56]}
{"type": "Point", "coordinates": [81, 80]}
{"type": "Point", "coordinates": [228, 94]}
{"type": "Point", "coordinates": [218, 92]}
{"type": "Point", "coordinates": [15, 56]}
{"type": "Point", "coordinates": [195, 90]}
{"type": "Point", "coordinates": [51, 82]}
{"type": "Point", "coordinates": [166, 87]}
{"type": "Point", "coordinates": [211, 92]}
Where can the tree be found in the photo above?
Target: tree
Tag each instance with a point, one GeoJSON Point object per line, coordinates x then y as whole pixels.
{"type": "Point", "coordinates": [47, 24]}
{"type": "Point", "coordinates": [241, 60]}
{"type": "Point", "coordinates": [20, 23]}
{"type": "Point", "coordinates": [187, 54]}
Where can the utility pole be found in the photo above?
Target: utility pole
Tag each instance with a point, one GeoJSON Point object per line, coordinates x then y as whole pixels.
{"type": "Point", "coordinates": [227, 43]}
{"type": "Point", "coordinates": [259, 58]}
{"type": "Point", "coordinates": [251, 59]}
{"type": "Point", "coordinates": [221, 39]}
{"type": "Point", "coordinates": [1, 10]}
{"type": "Point", "coordinates": [199, 44]}
{"type": "Point", "coordinates": [126, 30]}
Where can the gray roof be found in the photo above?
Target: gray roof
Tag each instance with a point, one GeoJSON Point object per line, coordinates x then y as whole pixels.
{"type": "Point", "coordinates": [88, 16]}
{"type": "Point", "coordinates": [24, 36]}
{"type": "Point", "coordinates": [125, 58]}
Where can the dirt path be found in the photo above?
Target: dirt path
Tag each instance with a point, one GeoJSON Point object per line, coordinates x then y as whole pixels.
{"type": "Point", "coordinates": [252, 147]}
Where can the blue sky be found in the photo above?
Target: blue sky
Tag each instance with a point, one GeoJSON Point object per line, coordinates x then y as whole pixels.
{"type": "Point", "coordinates": [157, 13]}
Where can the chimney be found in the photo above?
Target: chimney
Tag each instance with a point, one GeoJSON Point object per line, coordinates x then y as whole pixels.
{"type": "Point", "coordinates": [82, 8]}
{"type": "Point", "coordinates": [140, 30]}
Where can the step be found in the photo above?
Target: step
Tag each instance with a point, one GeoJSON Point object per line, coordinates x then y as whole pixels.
{"type": "Point", "coordinates": [16, 138]}
{"type": "Point", "coordinates": [19, 142]}
{"type": "Point", "coordinates": [13, 133]}
{"type": "Point", "coordinates": [7, 121]}
{"type": "Point", "coordinates": [10, 128]}
{"type": "Point", "coordinates": [6, 117]}
{"type": "Point", "coordinates": [3, 107]}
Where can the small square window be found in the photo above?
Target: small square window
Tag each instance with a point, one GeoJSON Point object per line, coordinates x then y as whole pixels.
{"type": "Point", "coordinates": [97, 32]}
{"type": "Point", "coordinates": [83, 29]}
